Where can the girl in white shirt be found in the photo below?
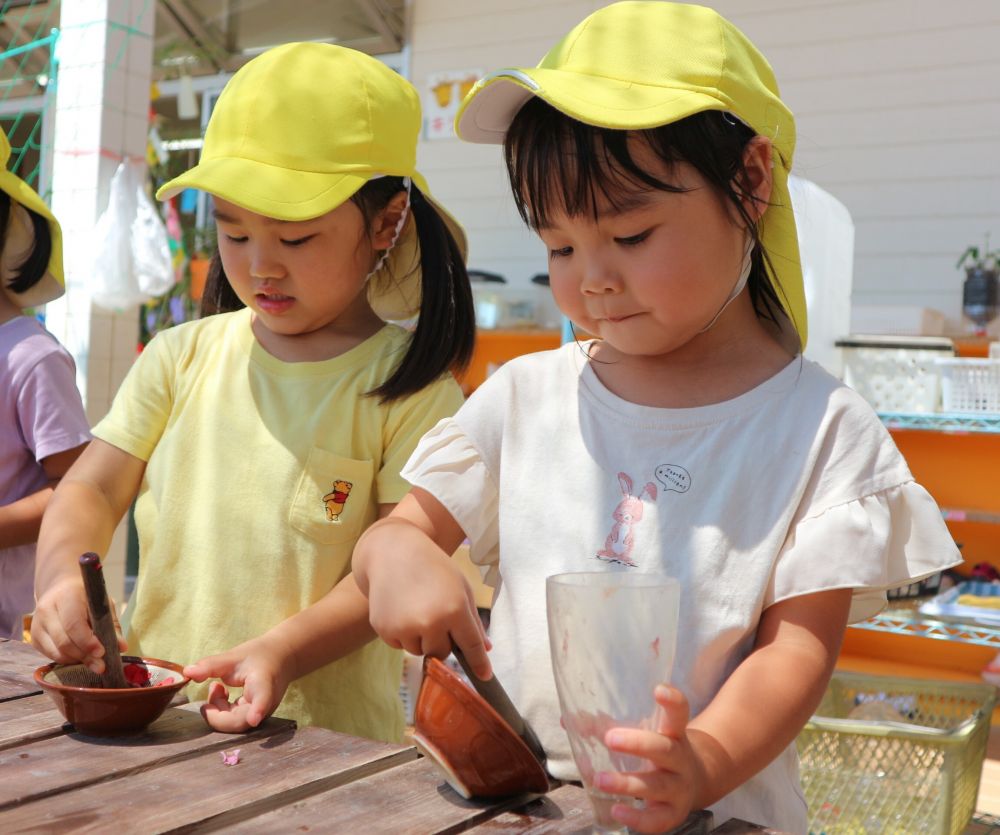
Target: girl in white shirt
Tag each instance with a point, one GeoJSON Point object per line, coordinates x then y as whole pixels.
{"type": "Point", "coordinates": [650, 152]}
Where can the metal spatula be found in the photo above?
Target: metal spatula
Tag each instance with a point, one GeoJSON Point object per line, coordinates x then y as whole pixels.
{"type": "Point", "coordinates": [497, 698]}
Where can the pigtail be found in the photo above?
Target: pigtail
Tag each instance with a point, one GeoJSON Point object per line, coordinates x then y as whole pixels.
{"type": "Point", "coordinates": [218, 296]}
{"type": "Point", "coordinates": [445, 333]}
{"type": "Point", "coordinates": [37, 263]}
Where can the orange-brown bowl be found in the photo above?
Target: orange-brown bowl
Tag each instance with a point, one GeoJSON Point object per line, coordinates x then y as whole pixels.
{"type": "Point", "coordinates": [105, 711]}
{"type": "Point", "coordinates": [477, 752]}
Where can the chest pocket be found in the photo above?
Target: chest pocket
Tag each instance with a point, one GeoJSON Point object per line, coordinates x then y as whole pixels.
{"type": "Point", "coordinates": [332, 498]}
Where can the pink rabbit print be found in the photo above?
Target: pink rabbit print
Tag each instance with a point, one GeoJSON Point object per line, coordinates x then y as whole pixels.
{"type": "Point", "coordinates": [618, 545]}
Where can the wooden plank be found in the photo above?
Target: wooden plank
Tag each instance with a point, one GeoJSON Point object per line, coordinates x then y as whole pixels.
{"type": "Point", "coordinates": [15, 687]}
{"type": "Point", "coordinates": [72, 760]}
{"type": "Point", "coordinates": [740, 827]}
{"type": "Point", "coordinates": [203, 792]}
{"type": "Point", "coordinates": [565, 809]}
{"type": "Point", "coordinates": [22, 720]}
{"type": "Point", "coordinates": [412, 798]}
{"type": "Point", "coordinates": [19, 661]}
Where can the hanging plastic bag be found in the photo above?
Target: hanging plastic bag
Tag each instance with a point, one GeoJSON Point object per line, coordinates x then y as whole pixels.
{"type": "Point", "coordinates": [151, 259]}
{"type": "Point", "coordinates": [112, 283]}
{"type": "Point", "coordinates": [131, 261]}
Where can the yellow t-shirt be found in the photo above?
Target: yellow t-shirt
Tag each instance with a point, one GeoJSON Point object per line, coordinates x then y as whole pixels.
{"type": "Point", "coordinates": [260, 477]}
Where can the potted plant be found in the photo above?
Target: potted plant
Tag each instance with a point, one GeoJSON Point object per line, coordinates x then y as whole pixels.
{"type": "Point", "coordinates": [982, 281]}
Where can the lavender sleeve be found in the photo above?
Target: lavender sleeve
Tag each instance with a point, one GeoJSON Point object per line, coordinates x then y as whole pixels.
{"type": "Point", "coordinates": [50, 409]}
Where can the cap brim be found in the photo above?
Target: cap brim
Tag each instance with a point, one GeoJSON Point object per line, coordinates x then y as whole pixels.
{"type": "Point", "coordinates": [53, 284]}
{"type": "Point", "coordinates": [280, 193]}
{"type": "Point", "coordinates": [284, 194]}
{"type": "Point", "coordinates": [487, 111]}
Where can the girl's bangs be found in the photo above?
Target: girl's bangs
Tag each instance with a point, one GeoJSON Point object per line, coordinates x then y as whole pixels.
{"type": "Point", "coordinates": [558, 165]}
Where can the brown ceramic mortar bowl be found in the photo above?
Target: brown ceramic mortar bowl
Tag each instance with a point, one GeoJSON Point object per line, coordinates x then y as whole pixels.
{"type": "Point", "coordinates": [476, 751]}
{"type": "Point", "coordinates": [100, 711]}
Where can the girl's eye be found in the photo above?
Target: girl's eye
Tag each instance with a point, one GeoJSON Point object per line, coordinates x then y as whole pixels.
{"type": "Point", "coordinates": [634, 240]}
{"type": "Point", "coordinates": [562, 252]}
{"type": "Point", "coordinates": [236, 239]}
{"type": "Point", "coordinates": [299, 241]}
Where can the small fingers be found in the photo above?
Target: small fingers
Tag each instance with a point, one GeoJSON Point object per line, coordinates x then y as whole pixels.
{"type": "Point", "coordinates": [470, 637]}
{"type": "Point", "coordinates": [654, 815]}
{"type": "Point", "coordinates": [67, 646]}
{"type": "Point", "coordinates": [259, 699]}
{"type": "Point", "coordinates": [225, 666]}
{"type": "Point", "coordinates": [654, 818]}
{"type": "Point", "coordinates": [641, 784]}
{"type": "Point", "coordinates": [221, 714]}
{"type": "Point", "coordinates": [650, 745]}
{"type": "Point", "coordinates": [673, 715]}
{"type": "Point", "coordinates": [79, 641]}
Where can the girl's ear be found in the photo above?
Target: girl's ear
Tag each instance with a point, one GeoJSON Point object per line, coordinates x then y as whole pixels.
{"type": "Point", "coordinates": [384, 223]}
{"type": "Point", "coordinates": [758, 163]}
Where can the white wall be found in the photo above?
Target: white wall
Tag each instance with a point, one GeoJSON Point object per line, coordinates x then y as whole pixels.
{"type": "Point", "coordinates": [898, 111]}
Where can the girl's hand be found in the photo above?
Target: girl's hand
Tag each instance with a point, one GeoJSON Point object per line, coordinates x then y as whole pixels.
{"type": "Point", "coordinates": [421, 602]}
{"type": "Point", "coordinates": [671, 787]}
{"type": "Point", "coordinates": [256, 666]}
{"type": "Point", "coordinates": [60, 626]}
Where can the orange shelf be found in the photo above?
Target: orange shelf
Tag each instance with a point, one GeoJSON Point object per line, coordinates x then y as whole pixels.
{"type": "Point", "coordinates": [960, 470]}
{"type": "Point", "coordinates": [495, 347]}
{"type": "Point", "coordinates": [972, 346]}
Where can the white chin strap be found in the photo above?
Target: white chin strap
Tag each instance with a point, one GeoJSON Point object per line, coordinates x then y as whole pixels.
{"type": "Point", "coordinates": [395, 235]}
{"type": "Point", "coordinates": [741, 282]}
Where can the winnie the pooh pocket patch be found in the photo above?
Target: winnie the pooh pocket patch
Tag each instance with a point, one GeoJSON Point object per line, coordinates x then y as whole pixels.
{"type": "Point", "coordinates": [335, 500]}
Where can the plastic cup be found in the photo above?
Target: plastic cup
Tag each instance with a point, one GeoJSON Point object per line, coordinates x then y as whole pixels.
{"type": "Point", "coordinates": [612, 636]}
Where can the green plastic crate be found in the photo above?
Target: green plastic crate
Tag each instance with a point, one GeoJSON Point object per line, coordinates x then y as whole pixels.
{"type": "Point", "coordinates": [882, 777]}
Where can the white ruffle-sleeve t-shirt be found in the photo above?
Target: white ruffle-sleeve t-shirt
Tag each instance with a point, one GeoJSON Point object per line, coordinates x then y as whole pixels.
{"type": "Point", "coordinates": [792, 488]}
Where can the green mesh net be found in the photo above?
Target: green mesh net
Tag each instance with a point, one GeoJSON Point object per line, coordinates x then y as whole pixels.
{"type": "Point", "coordinates": [28, 38]}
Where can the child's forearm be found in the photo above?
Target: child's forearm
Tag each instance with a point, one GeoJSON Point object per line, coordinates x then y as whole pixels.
{"type": "Point", "coordinates": [390, 537]}
{"type": "Point", "coordinates": [84, 511]}
{"type": "Point", "coordinates": [419, 599]}
{"type": "Point", "coordinates": [20, 520]}
{"type": "Point", "coordinates": [77, 519]}
{"type": "Point", "coordinates": [752, 720]}
{"type": "Point", "coordinates": [334, 626]}
{"type": "Point", "coordinates": [764, 704]}
{"type": "Point", "coordinates": [419, 525]}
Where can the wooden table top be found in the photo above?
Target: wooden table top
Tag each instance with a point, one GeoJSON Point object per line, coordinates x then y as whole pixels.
{"type": "Point", "coordinates": [172, 777]}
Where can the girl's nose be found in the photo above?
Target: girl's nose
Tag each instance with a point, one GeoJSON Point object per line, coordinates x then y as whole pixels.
{"type": "Point", "coordinates": [263, 264]}
{"type": "Point", "coordinates": [600, 279]}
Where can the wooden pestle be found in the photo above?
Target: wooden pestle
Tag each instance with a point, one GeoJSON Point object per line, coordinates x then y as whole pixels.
{"type": "Point", "coordinates": [102, 620]}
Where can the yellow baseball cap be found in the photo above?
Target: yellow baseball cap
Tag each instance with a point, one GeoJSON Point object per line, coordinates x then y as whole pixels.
{"type": "Point", "coordinates": [636, 65]}
{"type": "Point", "coordinates": [21, 235]}
{"type": "Point", "coordinates": [299, 129]}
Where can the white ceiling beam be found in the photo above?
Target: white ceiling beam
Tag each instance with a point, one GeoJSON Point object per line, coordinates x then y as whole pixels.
{"type": "Point", "coordinates": [194, 27]}
{"type": "Point", "coordinates": [382, 22]}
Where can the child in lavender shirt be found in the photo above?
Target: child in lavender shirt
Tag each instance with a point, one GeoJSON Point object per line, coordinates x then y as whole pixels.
{"type": "Point", "coordinates": [43, 428]}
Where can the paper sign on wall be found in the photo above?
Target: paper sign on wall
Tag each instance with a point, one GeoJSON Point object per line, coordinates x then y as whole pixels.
{"type": "Point", "coordinates": [443, 95]}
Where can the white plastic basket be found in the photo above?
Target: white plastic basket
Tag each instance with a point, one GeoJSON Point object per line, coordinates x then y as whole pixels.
{"type": "Point", "coordinates": [970, 385]}
{"type": "Point", "coordinates": [895, 374]}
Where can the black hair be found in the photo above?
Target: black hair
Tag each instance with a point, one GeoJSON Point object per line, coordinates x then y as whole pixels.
{"type": "Point", "coordinates": [555, 163]}
{"type": "Point", "coordinates": [30, 272]}
{"type": "Point", "coordinates": [445, 331]}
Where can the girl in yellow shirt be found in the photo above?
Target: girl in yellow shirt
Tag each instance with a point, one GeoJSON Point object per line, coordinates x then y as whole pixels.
{"type": "Point", "coordinates": [237, 434]}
